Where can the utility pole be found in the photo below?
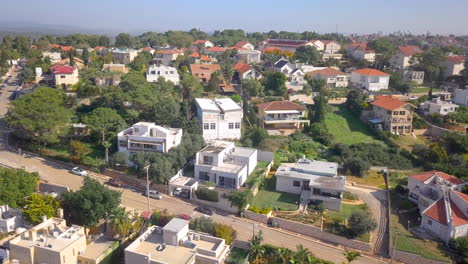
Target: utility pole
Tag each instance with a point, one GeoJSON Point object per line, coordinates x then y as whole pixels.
{"type": "Point", "coordinates": [147, 185]}
{"type": "Point", "coordinates": [20, 158]}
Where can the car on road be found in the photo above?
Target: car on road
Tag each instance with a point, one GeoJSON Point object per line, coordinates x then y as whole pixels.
{"type": "Point", "coordinates": [155, 194]}
{"type": "Point", "coordinates": [205, 210]}
{"type": "Point", "coordinates": [185, 217]}
{"type": "Point", "coordinates": [177, 191]}
{"type": "Point", "coordinates": [79, 171]}
{"type": "Point", "coordinates": [413, 97]}
{"type": "Point", "coordinates": [115, 182]}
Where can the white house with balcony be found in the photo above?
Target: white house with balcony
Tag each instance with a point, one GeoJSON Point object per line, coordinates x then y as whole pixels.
{"type": "Point", "coordinates": [370, 79]}
{"type": "Point", "coordinates": [147, 137]}
{"type": "Point", "coordinates": [442, 205]}
{"type": "Point", "coordinates": [282, 117]}
{"type": "Point", "coordinates": [168, 73]}
{"type": "Point", "coordinates": [224, 164]}
{"type": "Point", "coordinates": [316, 182]}
{"type": "Point", "coordinates": [436, 105]}
{"type": "Point", "coordinates": [219, 118]}
{"type": "Point", "coordinates": [10, 219]}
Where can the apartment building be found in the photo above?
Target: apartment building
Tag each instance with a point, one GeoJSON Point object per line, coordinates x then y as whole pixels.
{"type": "Point", "coordinates": [176, 243]}
{"type": "Point", "coordinates": [224, 164]}
{"type": "Point", "coordinates": [51, 241]}
{"type": "Point", "coordinates": [370, 79]}
{"type": "Point", "coordinates": [148, 137]}
{"type": "Point", "coordinates": [124, 56]}
{"type": "Point", "coordinates": [168, 73]}
{"type": "Point", "coordinates": [402, 58]}
{"type": "Point", "coordinates": [220, 118]}
{"type": "Point", "coordinates": [282, 117]}
{"type": "Point", "coordinates": [10, 219]}
{"type": "Point", "coordinates": [390, 114]}
{"type": "Point", "coordinates": [437, 105]}
{"type": "Point", "coordinates": [442, 205]}
{"type": "Point", "coordinates": [316, 182]}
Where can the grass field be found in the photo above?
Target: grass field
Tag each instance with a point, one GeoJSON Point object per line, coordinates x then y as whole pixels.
{"type": "Point", "coordinates": [424, 89]}
{"type": "Point", "coordinates": [346, 211]}
{"type": "Point", "coordinates": [347, 128]}
{"type": "Point", "coordinates": [268, 197]}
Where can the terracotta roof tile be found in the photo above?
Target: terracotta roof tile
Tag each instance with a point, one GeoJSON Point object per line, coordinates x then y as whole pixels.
{"type": "Point", "coordinates": [456, 59]}
{"type": "Point", "coordinates": [242, 67]}
{"type": "Point", "coordinates": [410, 50]}
{"type": "Point", "coordinates": [462, 195]}
{"type": "Point", "coordinates": [173, 51]}
{"type": "Point", "coordinates": [241, 44]}
{"type": "Point", "coordinates": [280, 105]}
{"type": "Point", "coordinates": [328, 71]}
{"type": "Point", "coordinates": [422, 177]}
{"type": "Point", "coordinates": [62, 69]}
{"type": "Point", "coordinates": [459, 218]}
{"type": "Point", "coordinates": [437, 212]}
{"type": "Point", "coordinates": [219, 49]}
{"type": "Point", "coordinates": [66, 48]}
{"type": "Point", "coordinates": [204, 68]}
{"type": "Point", "coordinates": [371, 72]}
{"type": "Point", "coordinates": [388, 102]}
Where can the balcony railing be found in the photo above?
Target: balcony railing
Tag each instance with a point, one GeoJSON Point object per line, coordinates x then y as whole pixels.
{"type": "Point", "coordinates": [292, 118]}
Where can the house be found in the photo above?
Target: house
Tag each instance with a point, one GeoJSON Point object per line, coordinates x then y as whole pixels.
{"type": "Point", "coordinates": [331, 76]}
{"type": "Point", "coordinates": [220, 118]}
{"type": "Point", "coordinates": [414, 76]}
{"type": "Point", "coordinates": [443, 208]}
{"type": "Point", "coordinates": [204, 71]}
{"type": "Point", "coordinates": [64, 75]}
{"type": "Point", "coordinates": [53, 56]}
{"type": "Point", "coordinates": [436, 105]}
{"type": "Point", "coordinates": [176, 243]}
{"type": "Point", "coordinates": [361, 53]}
{"type": "Point", "coordinates": [115, 68]}
{"type": "Point", "coordinates": [124, 56]}
{"type": "Point", "coordinates": [331, 47]}
{"type": "Point", "coordinates": [289, 44]}
{"type": "Point", "coordinates": [249, 56]}
{"type": "Point", "coordinates": [215, 51]}
{"type": "Point", "coordinates": [316, 182]}
{"type": "Point", "coordinates": [148, 49]}
{"type": "Point", "coordinates": [203, 43]}
{"type": "Point", "coordinates": [460, 97]}
{"type": "Point", "coordinates": [224, 164]}
{"type": "Point", "coordinates": [351, 47]}
{"type": "Point", "coordinates": [282, 117]}
{"type": "Point", "coordinates": [168, 73]}
{"type": "Point", "coordinates": [147, 137]}
{"type": "Point", "coordinates": [165, 57]}
{"type": "Point", "coordinates": [391, 114]}
{"type": "Point", "coordinates": [51, 241]}
{"type": "Point", "coordinates": [245, 71]}
{"type": "Point", "coordinates": [79, 63]}
{"type": "Point", "coordinates": [329, 56]}
{"type": "Point", "coordinates": [453, 65]}
{"type": "Point", "coordinates": [402, 57]}
{"type": "Point", "coordinates": [370, 79]}
{"type": "Point", "coordinates": [65, 48]}
{"type": "Point", "coordinates": [199, 58]}
{"type": "Point", "coordinates": [113, 77]}
{"type": "Point", "coordinates": [10, 219]}
{"type": "Point", "coordinates": [244, 45]}
{"type": "Point", "coordinates": [294, 75]}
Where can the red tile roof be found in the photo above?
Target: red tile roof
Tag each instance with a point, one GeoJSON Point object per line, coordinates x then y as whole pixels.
{"type": "Point", "coordinates": [216, 49]}
{"type": "Point", "coordinates": [459, 218]}
{"type": "Point", "coordinates": [238, 48]}
{"type": "Point", "coordinates": [62, 69]}
{"type": "Point", "coordinates": [358, 44]}
{"type": "Point", "coordinates": [175, 51]}
{"type": "Point", "coordinates": [204, 68]}
{"type": "Point", "coordinates": [462, 195]}
{"type": "Point", "coordinates": [242, 67]}
{"type": "Point", "coordinates": [437, 212]}
{"type": "Point", "coordinates": [328, 71]}
{"type": "Point", "coordinates": [241, 44]}
{"type": "Point", "coordinates": [146, 214]}
{"type": "Point", "coordinates": [54, 45]}
{"type": "Point", "coordinates": [456, 59]}
{"type": "Point", "coordinates": [326, 42]}
{"type": "Point", "coordinates": [285, 42]}
{"type": "Point", "coordinates": [410, 50]}
{"type": "Point", "coordinates": [422, 177]}
{"type": "Point", "coordinates": [280, 105]}
{"type": "Point", "coordinates": [203, 57]}
{"type": "Point", "coordinates": [66, 48]}
{"type": "Point", "coordinates": [147, 49]}
{"type": "Point", "coordinates": [270, 50]}
{"type": "Point", "coordinates": [199, 41]}
{"type": "Point", "coordinates": [371, 72]}
{"type": "Point", "coordinates": [33, 46]}
{"type": "Point", "coordinates": [388, 102]}
{"type": "Point", "coordinates": [99, 48]}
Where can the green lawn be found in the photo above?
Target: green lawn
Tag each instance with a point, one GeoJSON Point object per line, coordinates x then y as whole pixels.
{"type": "Point", "coordinates": [268, 197]}
{"type": "Point", "coordinates": [237, 256]}
{"type": "Point", "coordinates": [424, 89]}
{"type": "Point", "coordinates": [346, 211]}
{"type": "Point", "coordinates": [257, 174]}
{"type": "Point", "coordinates": [347, 128]}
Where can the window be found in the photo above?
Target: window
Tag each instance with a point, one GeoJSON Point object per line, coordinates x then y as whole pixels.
{"type": "Point", "coordinates": [429, 222]}
{"type": "Point", "coordinates": [395, 112]}
{"type": "Point", "coordinates": [203, 175]}
{"type": "Point", "coordinates": [231, 125]}
{"type": "Point", "coordinates": [147, 146]}
{"type": "Point", "coordinates": [207, 160]}
{"type": "Point", "coordinates": [122, 143]}
{"type": "Point", "coordinates": [237, 125]}
{"type": "Point", "coordinates": [402, 112]}
{"type": "Point", "coordinates": [271, 115]}
{"type": "Point", "coordinates": [296, 183]}
{"type": "Point", "coordinates": [206, 126]}
{"type": "Point", "coordinates": [212, 126]}
{"type": "Point", "coordinates": [62, 76]}
{"type": "Point", "coordinates": [172, 72]}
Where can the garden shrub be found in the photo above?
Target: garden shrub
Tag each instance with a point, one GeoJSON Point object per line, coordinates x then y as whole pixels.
{"type": "Point", "coordinates": [207, 194]}
{"type": "Point", "coordinates": [350, 196]}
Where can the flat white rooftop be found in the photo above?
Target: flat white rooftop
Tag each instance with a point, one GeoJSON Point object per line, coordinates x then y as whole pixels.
{"type": "Point", "coordinates": [218, 105]}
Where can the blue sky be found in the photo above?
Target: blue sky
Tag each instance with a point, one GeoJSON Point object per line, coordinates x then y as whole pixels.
{"type": "Point", "coordinates": [358, 16]}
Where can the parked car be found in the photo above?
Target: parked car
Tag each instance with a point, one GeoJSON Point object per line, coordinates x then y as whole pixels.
{"type": "Point", "coordinates": [79, 171]}
{"type": "Point", "coordinates": [185, 193]}
{"type": "Point", "coordinates": [205, 210]}
{"type": "Point", "coordinates": [177, 191]}
{"type": "Point", "coordinates": [185, 217]}
{"type": "Point", "coordinates": [155, 194]}
{"type": "Point", "coordinates": [115, 182]}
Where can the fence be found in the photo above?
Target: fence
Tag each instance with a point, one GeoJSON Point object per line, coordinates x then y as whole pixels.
{"type": "Point", "coordinates": [49, 187]}
{"type": "Point", "coordinates": [134, 181]}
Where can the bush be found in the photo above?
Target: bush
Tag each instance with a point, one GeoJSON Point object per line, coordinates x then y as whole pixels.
{"type": "Point", "coordinates": [240, 199]}
{"type": "Point", "coordinates": [360, 223]}
{"type": "Point", "coordinates": [350, 196]}
{"type": "Point", "coordinates": [265, 210]}
{"type": "Point", "coordinates": [254, 209]}
{"type": "Point", "coordinates": [203, 224]}
{"type": "Point", "coordinates": [225, 232]}
{"type": "Point", "coordinates": [400, 189]}
{"type": "Point", "coordinates": [207, 194]}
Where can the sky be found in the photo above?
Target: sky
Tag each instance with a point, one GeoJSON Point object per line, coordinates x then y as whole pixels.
{"type": "Point", "coordinates": [349, 16]}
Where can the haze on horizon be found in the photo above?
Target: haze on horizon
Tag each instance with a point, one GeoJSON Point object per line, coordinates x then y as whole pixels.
{"type": "Point", "coordinates": [136, 16]}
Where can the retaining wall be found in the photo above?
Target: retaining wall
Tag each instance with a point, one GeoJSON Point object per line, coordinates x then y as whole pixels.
{"type": "Point", "coordinates": [406, 257]}
{"type": "Point", "coordinates": [256, 216]}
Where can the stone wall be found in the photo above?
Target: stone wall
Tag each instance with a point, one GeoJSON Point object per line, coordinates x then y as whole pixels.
{"type": "Point", "coordinates": [138, 183]}
{"type": "Point", "coordinates": [49, 187]}
{"type": "Point", "coordinates": [406, 257]}
{"type": "Point", "coordinates": [315, 232]}
{"type": "Point", "coordinates": [256, 216]}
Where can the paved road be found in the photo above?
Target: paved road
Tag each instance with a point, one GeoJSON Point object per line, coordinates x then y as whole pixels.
{"type": "Point", "coordinates": [59, 174]}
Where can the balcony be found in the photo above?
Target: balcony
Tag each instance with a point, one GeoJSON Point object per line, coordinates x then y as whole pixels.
{"type": "Point", "coordinates": [285, 119]}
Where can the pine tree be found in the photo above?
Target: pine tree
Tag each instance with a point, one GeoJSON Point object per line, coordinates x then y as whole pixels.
{"type": "Point", "coordinates": [85, 56]}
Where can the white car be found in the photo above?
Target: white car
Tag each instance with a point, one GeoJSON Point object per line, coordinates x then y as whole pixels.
{"type": "Point", "coordinates": [155, 194]}
{"type": "Point", "coordinates": [177, 191]}
{"type": "Point", "coordinates": [79, 171]}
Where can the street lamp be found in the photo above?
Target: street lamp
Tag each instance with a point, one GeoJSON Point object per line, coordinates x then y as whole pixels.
{"type": "Point", "coordinates": [147, 185]}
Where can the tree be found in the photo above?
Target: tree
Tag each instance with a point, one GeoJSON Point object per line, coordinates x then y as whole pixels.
{"type": "Point", "coordinates": [252, 87]}
{"type": "Point", "coordinates": [85, 56]}
{"type": "Point", "coordinates": [240, 199]}
{"type": "Point", "coordinates": [356, 101]}
{"type": "Point", "coordinates": [275, 83]}
{"type": "Point", "coordinates": [71, 57]}
{"type": "Point", "coordinates": [225, 232]}
{"type": "Point", "coordinates": [78, 150]}
{"type": "Point", "coordinates": [124, 40]}
{"type": "Point", "coordinates": [302, 254]}
{"type": "Point", "coordinates": [307, 54]}
{"type": "Point", "coordinates": [16, 184]}
{"type": "Point", "coordinates": [121, 223]}
{"type": "Point", "coordinates": [360, 223]}
{"type": "Point", "coordinates": [384, 49]}
{"type": "Point", "coordinates": [285, 255]}
{"type": "Point", "coordinates": [91, 203]}
{"type": "Point", "coordinates": [320, 104]}
{"type": "Point", "coordinates": [104, 41]}
{"type": "Point", "coordinates": [40, 115]}
{"type": "Point", "coordinates": [351, 255]}
{"type": "Point", "coordinates": [257, 250]}
{"type": "Point", "coordinates": [213, 84]}
{"type": "Point", "coordinates": [106, 122]}
{"type": "Point", "coordinates": [36, 206]}
{"type": "Point", "coordinates": [431, 62]}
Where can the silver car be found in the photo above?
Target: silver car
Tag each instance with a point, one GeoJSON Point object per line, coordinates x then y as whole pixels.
{"type": "Point", "coordinates": [79, 171]}
{"type": "Point", "coordinates": [155, 194]}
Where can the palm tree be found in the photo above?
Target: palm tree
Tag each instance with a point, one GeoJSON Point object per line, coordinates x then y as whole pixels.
{"type": "Point", "coordinates": [351, 255]}
{"type": "Point", "coordinates": [285, 254]}
{"type": "Point", "coordinates": [121, 223]}
{"type": "Point", "coordinates": [302, 254]}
